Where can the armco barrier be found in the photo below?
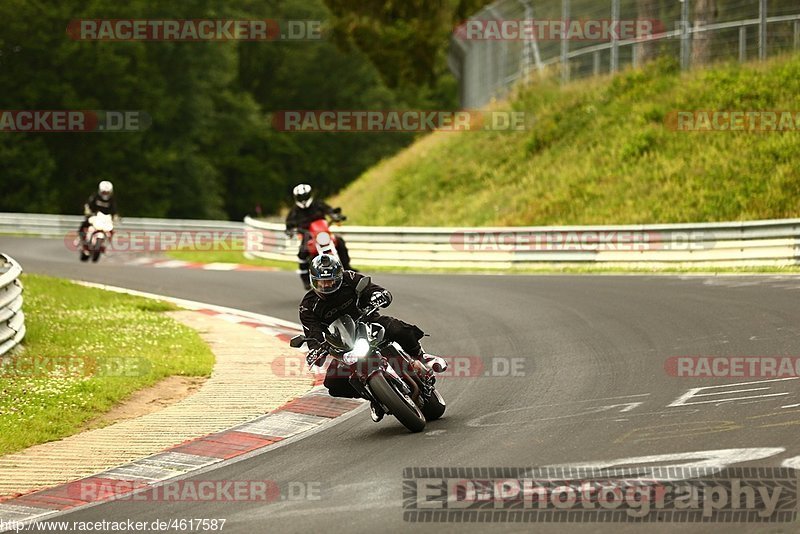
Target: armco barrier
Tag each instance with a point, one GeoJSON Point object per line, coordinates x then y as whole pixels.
{"type": "Point", "coordinates": [12, 320]}
{"type": "Point", "coordinates": [751, 243]}
{"type": "Point", "coordinates": [60, 225]}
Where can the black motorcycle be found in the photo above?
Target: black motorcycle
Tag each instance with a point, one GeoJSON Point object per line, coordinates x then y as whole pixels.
{"type": "Point", "coordinates": [380, 370]}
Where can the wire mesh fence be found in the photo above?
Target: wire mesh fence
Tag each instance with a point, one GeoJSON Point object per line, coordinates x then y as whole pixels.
{"type": "Point", "coordinates": [509, 40]}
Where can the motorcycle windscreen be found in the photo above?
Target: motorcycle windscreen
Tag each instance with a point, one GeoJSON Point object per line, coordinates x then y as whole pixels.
{"type": "Point", "coordinates": [341, 333]}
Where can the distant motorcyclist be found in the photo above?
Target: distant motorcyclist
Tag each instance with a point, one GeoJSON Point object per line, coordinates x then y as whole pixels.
{"type": "Point", "coordinates": [102, 201]}
{"type": "Point", "coordinates": [333, 294]}
{"type": "Point", "coordinates": [305, 211]}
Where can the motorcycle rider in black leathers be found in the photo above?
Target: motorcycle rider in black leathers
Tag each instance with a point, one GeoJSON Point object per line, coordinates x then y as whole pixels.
{"type": "Point", "coordinates": [333, 294]}
{"type": "Point", "coordinates": [102, 201]}
{"type": "Point", "coordinates": [305, 211]}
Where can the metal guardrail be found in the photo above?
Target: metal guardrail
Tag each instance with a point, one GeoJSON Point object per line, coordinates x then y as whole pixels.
{"type": "Point", "coordinates": [12, 320]}
{"type": "Point", "coordinates": [752, 243]}
{"type": "Point", "coordinates": [61, 225]}
{"type": "Point", "coordinates": [770, 242]}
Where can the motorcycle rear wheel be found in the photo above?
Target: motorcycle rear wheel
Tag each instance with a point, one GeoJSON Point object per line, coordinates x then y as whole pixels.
{"type": "Point", "coordinates": [402, 410]}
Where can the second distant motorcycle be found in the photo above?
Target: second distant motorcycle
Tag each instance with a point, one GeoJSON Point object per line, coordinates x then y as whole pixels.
{"type": "Point", "coordinates": [309, 220]}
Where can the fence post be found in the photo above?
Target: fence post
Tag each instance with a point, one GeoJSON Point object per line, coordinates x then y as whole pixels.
{"type": "Point", "coordinates": [742, 43]}
{"type": "Point", "coordinates": [684, 34]}
{"type": "Point", "coordinates": [564, 42]}
{"type": "Point", "coordinates": [530, 52]}
{"type": "Point", "coordinates": [797, 35]}
{"type": "Point", "coordinates": [596, 61]}
{"type": "Point", "coordinates": [762, 30]}
{"type": "Point", "coordinates": [614, 37]}
{"type": "Point", "coordinates": [527, 56]}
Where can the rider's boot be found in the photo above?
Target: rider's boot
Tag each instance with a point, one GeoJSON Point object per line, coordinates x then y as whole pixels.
{"type": "Point", "coordinates": [376, 411]}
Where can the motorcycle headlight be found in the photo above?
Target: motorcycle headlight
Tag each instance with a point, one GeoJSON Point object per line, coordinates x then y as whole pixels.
{"type": "Point", "coordinates": [323, 239]}
{"type": "Point", "coordinates": [360, 349]}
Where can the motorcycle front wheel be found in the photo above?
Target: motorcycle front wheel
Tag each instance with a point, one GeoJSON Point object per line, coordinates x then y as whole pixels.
{"type": "Point", "coordinates": [399, 405]}
{"type": "Point", "coordinates": [435, 407]}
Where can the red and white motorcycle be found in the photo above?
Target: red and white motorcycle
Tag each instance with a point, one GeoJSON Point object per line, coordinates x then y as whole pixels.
{"type": "Point", "coordinates": [319, 239]}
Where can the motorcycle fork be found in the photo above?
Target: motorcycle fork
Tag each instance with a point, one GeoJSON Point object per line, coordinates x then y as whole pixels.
{"type": "Point", "coordinates": [358, 384]}
{"type": "Point", "coordinates": [419, 378]}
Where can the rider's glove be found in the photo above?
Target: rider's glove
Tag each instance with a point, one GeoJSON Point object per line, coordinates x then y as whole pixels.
{"type": "Point", "coordinates": [316, 356]}
{"type": "Point", "coordinates": [380, 299]}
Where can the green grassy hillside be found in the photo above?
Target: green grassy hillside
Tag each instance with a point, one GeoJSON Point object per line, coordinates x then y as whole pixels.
{"type": "Point", "coordinates": [599, 152]}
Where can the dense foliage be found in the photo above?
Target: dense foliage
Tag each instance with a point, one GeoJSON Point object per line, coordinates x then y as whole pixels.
{"type": "Point", "coordinates": [210, 151]}
{"type": "Point", "coordinates": [602, 151]}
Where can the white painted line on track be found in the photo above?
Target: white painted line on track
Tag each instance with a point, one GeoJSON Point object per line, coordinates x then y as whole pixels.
{"type": "Point", "coordinates": [170, 264]}
{"type": "Point", "coordinates": [220, 266]}
{"type": "Point", "coordinates": [694, 392]}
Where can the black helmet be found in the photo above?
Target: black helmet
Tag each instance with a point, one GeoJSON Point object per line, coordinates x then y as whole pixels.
{"type": "Point", "coordinates": [302, 195]}
{"type": "Point", "coordinates": [326, 274]}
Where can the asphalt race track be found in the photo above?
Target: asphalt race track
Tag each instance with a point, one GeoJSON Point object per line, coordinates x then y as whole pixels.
{"type": "Point", "coordinates": [573, 373]}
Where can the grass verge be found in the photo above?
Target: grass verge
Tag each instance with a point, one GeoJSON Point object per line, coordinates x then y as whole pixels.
{"type": "Point", "coordinates": [228, 256]}
{"type": "Point", "coordinates": [238, 257]}
{"type": "Point", "coordinates": [601, 151]}
{"type": "Point", "coordinates": [85, 351]}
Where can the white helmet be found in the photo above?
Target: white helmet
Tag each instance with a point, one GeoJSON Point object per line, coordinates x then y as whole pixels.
{"type": "Point", "coordinates": [105, 189]}
{"type": "Point", "coordinates": [302, 195]}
